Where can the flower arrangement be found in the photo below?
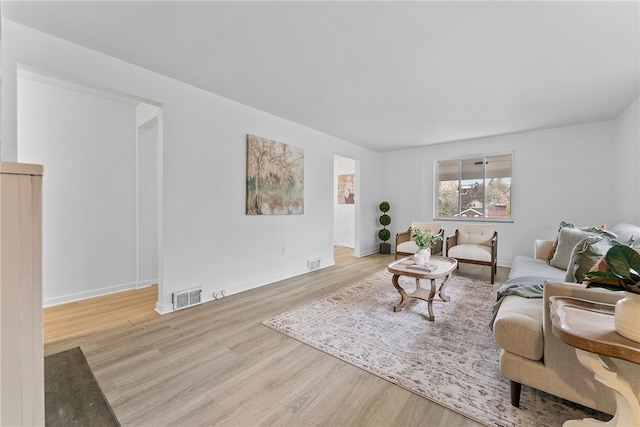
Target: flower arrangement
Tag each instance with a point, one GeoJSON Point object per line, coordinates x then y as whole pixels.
{"type": "Point", "coordinates": [624, 274]}
{"type": "Point", "coordinates": [424, 239]}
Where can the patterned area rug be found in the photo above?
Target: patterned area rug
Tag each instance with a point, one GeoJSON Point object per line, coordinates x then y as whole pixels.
{"type": "Point", "coordinates": [452, 361]}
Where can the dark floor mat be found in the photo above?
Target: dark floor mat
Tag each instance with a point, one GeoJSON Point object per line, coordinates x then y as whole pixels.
{"type": "Point", "coordinates": [72, 396]}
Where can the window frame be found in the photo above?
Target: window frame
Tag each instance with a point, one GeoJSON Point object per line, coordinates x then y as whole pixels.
{"type": "Point", "coordinates": [460, 159]}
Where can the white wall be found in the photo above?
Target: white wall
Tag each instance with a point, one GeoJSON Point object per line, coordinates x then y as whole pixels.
{"type": "Point", "coordinates": [343, 214]}
{"type": "Point", "coordinates": [207, 238]}
{"type": "Point", "coordinates": [625, 167]}
{"type": "Point", "coordinates": [557, 174]}
{"type": "Point", "coordinates": [87, 144]}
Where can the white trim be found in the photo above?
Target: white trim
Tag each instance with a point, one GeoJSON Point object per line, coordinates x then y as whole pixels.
{"type": "Point", "coordinates": [95, 293]}
{"type": "Point", "coordinates": [460, 159]}
{"type": "Point", "coordinates": [207, 295]}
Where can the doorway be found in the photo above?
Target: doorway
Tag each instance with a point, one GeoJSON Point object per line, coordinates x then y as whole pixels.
{"type": "Point", "coordinates": [149, 199]}
{"type": "Point", "coordinates": [345, 202]}
{"type": "Point", "coordinates": [147, 203]}
{"type": "Point", "coordinates": [102, 154]}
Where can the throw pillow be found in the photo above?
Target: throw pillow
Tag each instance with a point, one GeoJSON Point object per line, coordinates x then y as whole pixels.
{"type": "Point", "coordinates": [568, 238]}
{"type": "Point", "coordinates": [628, 234]}
{"type": "Point", "coordinates": [585, 255]}
{"type": "Point", "coordinates": [563, 224]}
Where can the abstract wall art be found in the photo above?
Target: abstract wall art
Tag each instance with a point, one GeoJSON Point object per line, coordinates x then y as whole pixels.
{"type": "Point", "coordinates": [275, 177]}
{"type": "Point", "coordinates": [346, 189]}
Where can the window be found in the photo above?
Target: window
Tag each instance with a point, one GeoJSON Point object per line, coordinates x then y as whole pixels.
{"type": "Point", "coordinates": [474, 187]}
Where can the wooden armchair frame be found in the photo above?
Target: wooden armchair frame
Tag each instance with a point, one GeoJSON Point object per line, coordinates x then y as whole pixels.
{"type": "Point", "coordinates": [406, 236]}
{"type": "Point", "coordinates": [493, 263]}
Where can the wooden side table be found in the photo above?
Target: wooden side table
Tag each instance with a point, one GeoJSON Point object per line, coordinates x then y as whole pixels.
{"type": "Point", "coordinates": [443, 268]}
{"type": "Point", "coordinates": [589, 327]}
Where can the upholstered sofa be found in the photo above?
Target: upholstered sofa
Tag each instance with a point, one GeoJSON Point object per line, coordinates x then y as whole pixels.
{"type": "Point", "coordinates": [530, 353]}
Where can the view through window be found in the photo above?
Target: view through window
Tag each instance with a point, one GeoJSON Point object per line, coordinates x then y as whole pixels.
{"type": "Point", "coordinates": [474, 187]}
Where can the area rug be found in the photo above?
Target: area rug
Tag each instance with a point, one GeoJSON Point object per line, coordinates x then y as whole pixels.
{"type": "Point", "coordinates": [452, 361]}
{"type": "Point", "coordinates": [72, 396]}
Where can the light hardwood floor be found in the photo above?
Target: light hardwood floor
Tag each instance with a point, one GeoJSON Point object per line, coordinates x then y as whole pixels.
{"type": "Point", "coordinates": [215, 364]}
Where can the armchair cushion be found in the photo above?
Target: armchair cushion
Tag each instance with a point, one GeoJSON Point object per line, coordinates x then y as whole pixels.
{"type": "Point", "coordinates": [471, 251]}
{"type": "Point", "coordinates": [475, 234]}
{"type": "Point", "coordinates": [409, 247]}
{"type": "Point", "coordinates": [433, 227]}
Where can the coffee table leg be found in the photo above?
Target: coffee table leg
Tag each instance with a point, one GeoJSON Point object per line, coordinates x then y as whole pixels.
{"type": "Point", "coordinates": [403, 294]}
{"type": "Point", "coordinates": [443, 297]}
{"type": "Point", "coordinates": [432, 294]}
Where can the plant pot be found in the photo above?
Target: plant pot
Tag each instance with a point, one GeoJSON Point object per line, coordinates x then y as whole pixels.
{"type": "Point", "coordinates": [627, 316]}
{"type": "Point", "coordinates": [385, 248]}
{"type": "Point", "coordinates": [422, 257]}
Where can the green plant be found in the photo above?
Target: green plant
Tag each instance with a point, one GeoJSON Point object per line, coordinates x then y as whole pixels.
{"type": "Point", "coordinates": [624, 274]}
{"type": "Point", "coordinates": [385, 220]}
{"type": "Point", "coordinates": [424, 239]}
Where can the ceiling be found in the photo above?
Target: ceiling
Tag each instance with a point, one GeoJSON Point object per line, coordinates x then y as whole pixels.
{"type": "Point", "coordinates": [384, 75]}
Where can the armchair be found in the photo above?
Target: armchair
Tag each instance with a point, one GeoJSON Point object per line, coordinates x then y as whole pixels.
{"type": "Point", "coordinates": [475, 244]}
{"type": "Point", "coordinates": [404, 241]}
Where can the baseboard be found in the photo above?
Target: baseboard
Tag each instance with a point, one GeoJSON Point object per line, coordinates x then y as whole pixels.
{"type": "Point", "coordinates": [367, 252]}
{"type": "Point", "coordinates": [344, 245]}
{"type": "Point", "coordinates": [163, 309]}
{"type": "Point", "coordinates": [146, 283]}
{"type": "Point", "coordinates": [207, 294]}
{"type": "Point", "coordinates": [65, 299]}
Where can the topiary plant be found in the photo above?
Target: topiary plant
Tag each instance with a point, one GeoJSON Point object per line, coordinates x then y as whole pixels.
{"type": "Point", "coordinates": [384, 234]}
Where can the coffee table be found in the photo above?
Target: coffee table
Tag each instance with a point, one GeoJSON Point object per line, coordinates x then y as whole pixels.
{"type": "Point", "coordinates": [443, 267]}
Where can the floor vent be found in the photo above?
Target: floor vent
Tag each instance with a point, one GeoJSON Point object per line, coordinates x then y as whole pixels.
{"type": "Point", "coordinates": [186, 298]}
{"type": "Point", "coordinates": [313, 264]}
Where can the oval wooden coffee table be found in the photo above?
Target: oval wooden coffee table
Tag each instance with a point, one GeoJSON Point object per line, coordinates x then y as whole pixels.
{"type": "Point", "coordinates": [442, 268]}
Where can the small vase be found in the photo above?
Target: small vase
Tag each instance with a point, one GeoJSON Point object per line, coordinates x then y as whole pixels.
{"type": "Point", "coordinates": [627, 316]}
{"type": "Point", "coordinates": [422, 256]}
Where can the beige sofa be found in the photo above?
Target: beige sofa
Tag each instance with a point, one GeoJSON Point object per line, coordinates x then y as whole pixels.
{"type": "Point", "coordinates": [532, 355]}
